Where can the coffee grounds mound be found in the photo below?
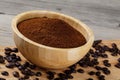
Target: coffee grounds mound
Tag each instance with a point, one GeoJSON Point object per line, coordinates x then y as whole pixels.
{"type": "Point", "coordinates": [51, 32]}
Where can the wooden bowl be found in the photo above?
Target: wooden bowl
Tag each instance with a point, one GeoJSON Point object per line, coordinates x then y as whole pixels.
{"type": "Point", "coordinates": [49, 57]}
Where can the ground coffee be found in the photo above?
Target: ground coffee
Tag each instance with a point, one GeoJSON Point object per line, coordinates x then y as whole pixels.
{"type": "Point", "coordinates": [51, 32]}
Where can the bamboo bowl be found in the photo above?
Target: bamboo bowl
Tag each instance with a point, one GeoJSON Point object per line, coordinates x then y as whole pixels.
{"type": "Point", "coordinates": [49, 57]}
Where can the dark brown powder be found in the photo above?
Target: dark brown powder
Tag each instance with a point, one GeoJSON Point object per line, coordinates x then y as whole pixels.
{"type": "Point", "coordinates": [51, 32]}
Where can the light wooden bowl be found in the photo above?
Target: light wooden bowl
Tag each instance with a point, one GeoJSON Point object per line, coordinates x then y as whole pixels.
{"type": "Point", "coordinates": [49, 57]}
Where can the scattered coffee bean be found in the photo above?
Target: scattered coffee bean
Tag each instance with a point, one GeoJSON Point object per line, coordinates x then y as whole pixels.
{"type": "Point", "coordinates": [16, 74]}
{"type": "Point", "coordinates": [97, 67]}
{"type": "Point", "coordinates": [118, 59]}
{"type": "Point", "coordinates": [90, 79]}
{"type": "Point", "coordinates": [7, 52]}
{"type": "Point", "coordinates": [101, 77]}
{"type": "Point", "coordinates": [106, 63]}
{"type": "Point", "coordinates": [21, 79]}
{"type": "Point", "coordinates": [117, 65]}
{"type": "Point", "coordinates": [80, 70]}
{"type": "Point", "coordinates": [8, 49]}
{"type": "Point", "coordinates": [32, 66]}
{"type": "Point", "coordinates": [96, 42]}
{"type": "Point", "coordinates": [2, 79]}
{"type": "Point", "coordinates": [91, 73]}
{"type": "Point", "coordinates": [4, 73]}
{"type": "Point", "coordinates": [98, 73]}
{"type": "Point", "coordinates": [106, 70]}
{"type": "Point", "coordinates": [10, 65]}
{"type": "Point", "coordinates": [15, 50]}
{"type": "Point", "coordinates": [26, 77]}
{"type": "Point", "coordinates": [38, 74]}
{"type": "Point", "coordinates": [2, 60]}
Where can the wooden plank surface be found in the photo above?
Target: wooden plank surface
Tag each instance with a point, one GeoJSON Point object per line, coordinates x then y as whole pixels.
{"type": "Point", "coordinates": [77, 76]}
{"type": "Point", "coordinates": [103, 17]}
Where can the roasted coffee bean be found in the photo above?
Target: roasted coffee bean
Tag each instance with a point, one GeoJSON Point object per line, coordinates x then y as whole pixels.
{"type": "Point", "coordinates": [2, 60]}
{"type": "Point", "coordinates": [73, 66]}
{"type": "Point", "coordinates": [10, 65]}
{"type": "Point", "coordinates": [16, 74]}
{"type": "Point", "coordinates": [7, 52]}
{"type": "Point", "coordinates": [9, 58]}
{"type": "Point", "coordinates": [67, 71]}
{"type": "Point", "coordinates": [80, 70]}
{"type": "Point", "coordinates": [32, 66]}
{"type": "Point", "coordinates": [114, 45]}
{"type": "Point", "coordinates": [96, 42]}
{"type": "Point", "coordinates": [5, 73]}
{"type": "Point", "coordinates": [26, 64]}
{"type": "Point", "coordinates": [103, 55]}
{"type": "Point", "coordinates": [117, 65]}
{"type": "Point", "coordinates": [106, 70]}
{"type": "Point", "coordinates": [101, 77]}
{"type": "Point", "coordinates": [8, 49]}
{"type": "Point", "coordinates": [106, 63]}
{"type": "Point", "coordinates": [21, 67]}
{"type": "Point", "coordinates": [90, 79]}
{"type": "Point", "coordinates": [106, 48]}
{"type": "Point", "coordinates": [98, 73]}
{"type": "Point", "coordinates": [38, 74]}
{"type": "Point", "coordinates": [18, 58]}
{"type": "Point", "coordinates": [15, 50]}
{"type": "Point", "coordinates": [61, 75]}
{"type": "Point", "coordinates": [118, 59]}
{"type": "Point", "coordinates": [26, 77]}
{"type": "Point", "coordinates": [57, 79]}
{"type": "Point", "coordinates": [97, 67]}
{"type": "Point", "coordinates": [50, 77]}
{"type": "Point", "coordinates": [17, 64]}
{"type": "Point", "coordinates": [2, 79]}
{"type": "Point", "coordinates": [91, 73]}
{"type": "Point", "coordinates": [21, 79]}
{"type": "Point", "coordinates": [69, 76]}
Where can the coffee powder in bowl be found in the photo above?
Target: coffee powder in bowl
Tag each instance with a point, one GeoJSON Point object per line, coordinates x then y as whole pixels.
{"type": "Point", "coordinates": [50, 39]}
{"type": "Point", "coordinates": [51, 32]}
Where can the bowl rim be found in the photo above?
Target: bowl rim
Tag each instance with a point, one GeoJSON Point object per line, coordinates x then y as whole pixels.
{"type": "Point", "coordinates": [18, 16]}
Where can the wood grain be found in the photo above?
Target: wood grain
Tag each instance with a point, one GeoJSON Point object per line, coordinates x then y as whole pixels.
{"type": "Point", "coordinates": [101, 16]}
{"type": "Point", "coordinates": [77, 76]}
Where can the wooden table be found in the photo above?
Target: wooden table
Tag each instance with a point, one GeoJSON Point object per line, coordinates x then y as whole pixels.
{"type": "Point", "coordinates": [103, 17]}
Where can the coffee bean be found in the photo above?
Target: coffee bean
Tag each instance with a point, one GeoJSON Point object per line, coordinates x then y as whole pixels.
{"type": "Point", "coordinates": [32, 66]}
{"type": "Point", "coordinates": [97, 67]}
{"type": "Point", "coordinates": [7, 52]}
{"type": "Point", "coordinates": [117, 65]}
{"type": "Point", "coordinates": [101, 77]}
{"type": "Point", "coordinates": [2, 60]}
{"type": "Point", "coordinates": [89, 79]}
{"type": "Point", "coordinates": [10, 65]}
{"type": "Point", "coordinates": [57, 79]}
{"type": "Point", "coordinates": [118, 59]}
{"type": "Point", "coordinates": [69, 76]}
{"type": "Point", "coordinates": [80, 70]}
{"type": "Point", "coordinates": [106, 63]}
{"type": "Point", "coordinates": [2, 79]}
{"type": "Point", "coordinates": [26, 77]}
{"type": "Point", "coordinates": [103, 55]}
{"type": "Point", "coordinates": [98, 73]}
{"type": "Point", "coordinates": [21, 79]}
{"type": "Point", "coordinates": [91, 73]}
{"type": "Point", "coordinates": [96, 42]}
{"type": "Point", "coordinates": [67, 71]}
{"type": "Point", "coordinates": [17, 64]}
{"type": "Point", "coordinates": [7, 49]}
{"type": "Point", "coordinates": [38, 74]}
{"type": "Point", "coordinates": [18, 58]}
{"type": "Point", "coordinates": [5, 73]}
{"type": "Point", "coordinates": [106, 70]}
{"type": "Point", "coordinates": [15, 50]}
{"type": "Point", "coordinates": [16, 74]}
